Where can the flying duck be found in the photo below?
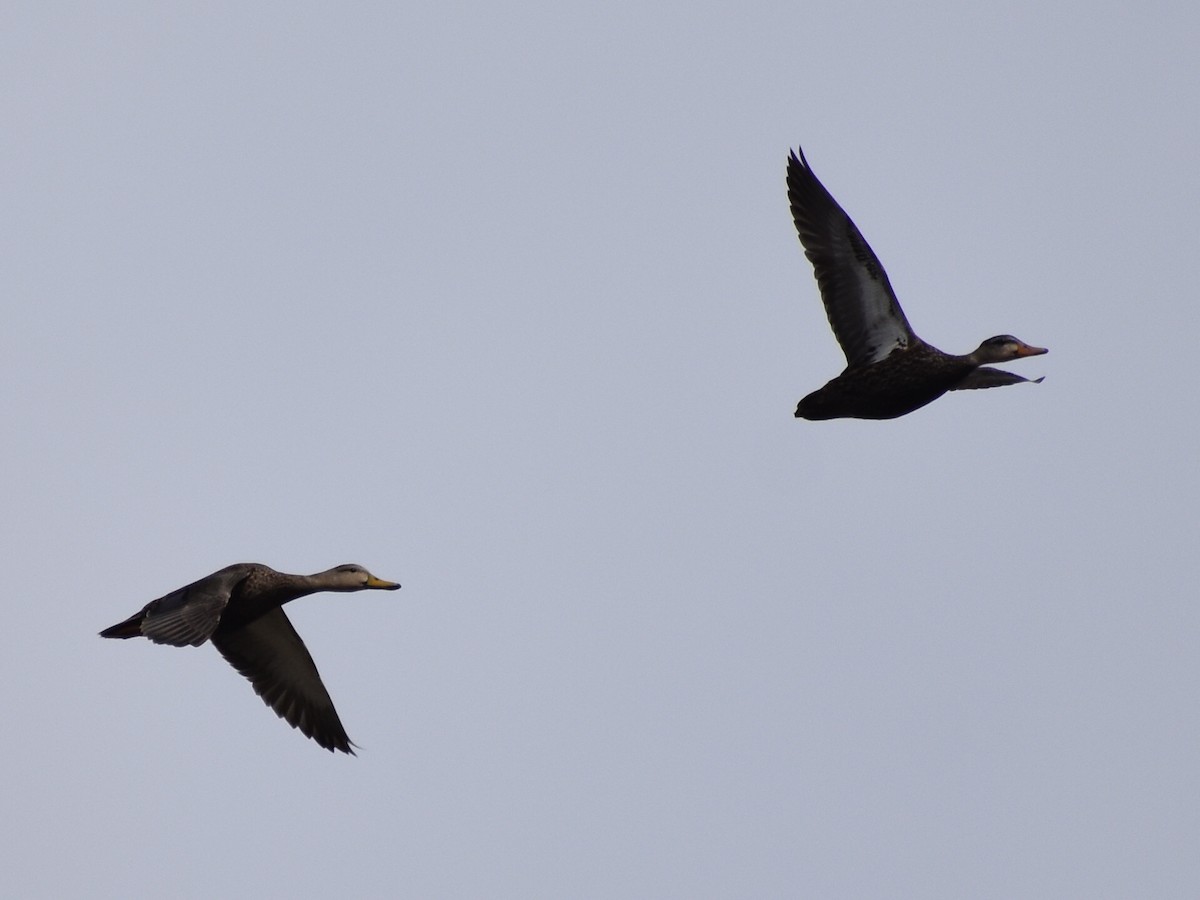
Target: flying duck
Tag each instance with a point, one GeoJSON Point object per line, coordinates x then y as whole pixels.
{"type": "Point", "coordinates": [889, 370]}
{"type": "Point", "coordinates": [240, 609]}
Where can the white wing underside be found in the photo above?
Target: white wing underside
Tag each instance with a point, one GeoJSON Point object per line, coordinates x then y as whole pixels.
{"type": "Point", "coordinates": [877, 332]}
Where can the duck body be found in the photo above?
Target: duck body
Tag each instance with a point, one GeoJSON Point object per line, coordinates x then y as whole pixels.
{"type": "Point", "coordinates": [240, 610]}
{"type": "Point", "coordinates": [893, 387]}
{"type": "Point", "coordinates": [889, 370]}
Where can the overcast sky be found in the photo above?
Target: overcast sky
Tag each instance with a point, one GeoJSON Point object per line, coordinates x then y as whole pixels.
{"type": "Point", "coordinates": [506, 305]}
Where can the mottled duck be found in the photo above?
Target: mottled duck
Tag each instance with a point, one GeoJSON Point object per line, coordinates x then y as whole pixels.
{"type": "Point", "coordinates": [889, 370]}
{"type": "Point", "coordinates": [240, 609]}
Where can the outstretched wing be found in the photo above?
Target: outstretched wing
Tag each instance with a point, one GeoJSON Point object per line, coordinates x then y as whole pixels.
{"type": "Point", "coordinates": [269, 652]}
{"type": "Point", "coordinates": [987, 377]}
{"type": "Point", "coordinates": [862, 308]}
{"type": "Point", "coordinates": [191, 614]}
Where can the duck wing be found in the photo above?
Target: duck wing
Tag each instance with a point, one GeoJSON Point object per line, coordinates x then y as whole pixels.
{"type": "Point", "coordinates": [190, 615]}
{"type": "Point", "coordinates": [268, 651]}
{"type": "Point", "coordinates": [987, 377]}
{"type": "Point", "coordinates": [862, 308]}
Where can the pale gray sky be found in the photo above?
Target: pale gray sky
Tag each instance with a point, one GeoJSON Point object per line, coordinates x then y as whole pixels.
{"type": "Point", "coordinates": [507, 305]}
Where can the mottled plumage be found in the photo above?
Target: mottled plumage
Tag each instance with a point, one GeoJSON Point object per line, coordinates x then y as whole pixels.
{"type": "Point", "coordinates": [889, 370]}
{"type": "Point", "coordinates": [240, 609]}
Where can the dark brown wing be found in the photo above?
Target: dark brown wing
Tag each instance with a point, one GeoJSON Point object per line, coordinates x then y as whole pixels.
{"type": "Point", "coordinates": [987, 377]}
{"type": "Point", "coordinates": [862, 308]}
{"type": "Point", "coordinates": [270, 653]}
{"type": "Point", "coordinates": [189, 615]}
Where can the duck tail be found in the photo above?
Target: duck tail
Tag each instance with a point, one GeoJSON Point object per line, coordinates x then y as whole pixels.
{"type": "Point", "coordinates": [131, 627]}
